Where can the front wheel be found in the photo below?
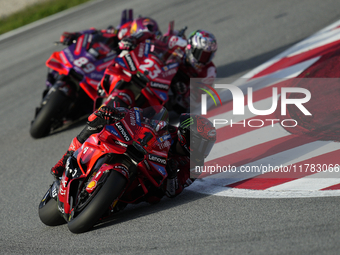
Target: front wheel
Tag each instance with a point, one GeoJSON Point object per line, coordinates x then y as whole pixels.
{"type": "Point", "coordinates": [48, 114]}
{"type": "Point", "coordinates": [90, 214]}
{"type": "Point", "coordinates": [48, 211]}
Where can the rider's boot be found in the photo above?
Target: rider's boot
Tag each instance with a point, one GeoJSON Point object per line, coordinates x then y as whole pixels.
{"type": "Point", "coordinates": [59, 168]}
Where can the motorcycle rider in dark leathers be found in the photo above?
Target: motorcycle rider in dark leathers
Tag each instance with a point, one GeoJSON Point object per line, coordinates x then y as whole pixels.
{"type": "Point", "coordinates": [196, 62]}
{"type": "Point", "coordinates": [182, 153]}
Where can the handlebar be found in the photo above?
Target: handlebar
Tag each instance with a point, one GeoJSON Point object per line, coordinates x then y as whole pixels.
{"type": "Point", "coordinates": [182, 31]}
{"type": "Point", "coordinates": [148, 136]}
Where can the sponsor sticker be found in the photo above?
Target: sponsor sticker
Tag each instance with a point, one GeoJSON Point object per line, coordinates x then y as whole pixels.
{"type": "Point", "coordinates": [112, 130]}
{"type": "Point", "coordinates": [137, 114]}
{"type": "Point", "coordinates": [132, 119]}
{"type": "Point", "coordinates": [123, 132]}
{"type": "Point", "coordinates": [130, 62]}
{"type": "Point", "coordinates": [157, 159]}
{"type": "Point", "coordinates": [168, 72]}
{"type": "Point", "coordinates": [163, 145]}
{"type": "Point", "coordinates": [147, 48]}
{"type": "Point", "coordinates": [162, 95]}
{"type": "Point", "coordinates": [123, 169]}
{"type": "Point", "coordinates": [69, 54]}
{"type": "Point", "coordinates": [172, 42]}
{"type": "Point", "coordinates": [164, 138]}
{"type": "Point", "coordinates": [159, 168]}
{"type": "Point", "coordinates": [120, 62]}
{"type": "Point", "coordinates": [91, 185]}
{"type": "Point", "coordinates": [159, 85]}
{"type": "Point", "coordinates": [141, 50]}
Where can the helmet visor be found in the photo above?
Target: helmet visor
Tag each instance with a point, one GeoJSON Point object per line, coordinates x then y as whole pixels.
{"type": "Point", "coordinates": [200, 146]}
{"type": "Point", "coordinates": [150, 27]}
{"type": "Point", "coordinates": [202, 56]}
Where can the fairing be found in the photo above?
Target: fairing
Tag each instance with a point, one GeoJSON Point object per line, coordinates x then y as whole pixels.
{"type": "Point", "coordinates": [88, 57]}
{"type": "Point", "coordinates": [141, 135]}
{"type": "Point", "coordinates": [151, 66]}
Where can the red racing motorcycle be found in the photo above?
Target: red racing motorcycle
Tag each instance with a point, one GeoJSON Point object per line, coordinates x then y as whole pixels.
{"type": "Point", "coordinates": [72, 80]}
{"type": "Point", "coordinates": [122, 164]}
{"type": "Point", "coordinates": [142, 77]}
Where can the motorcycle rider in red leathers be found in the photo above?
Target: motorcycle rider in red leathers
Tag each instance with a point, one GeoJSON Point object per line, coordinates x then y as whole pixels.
{"type": "Point", "coordinates": [182, 153]}
{"type": "Point", "coordinates": [199, 50]}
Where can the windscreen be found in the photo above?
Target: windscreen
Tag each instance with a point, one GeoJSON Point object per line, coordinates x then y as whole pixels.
{"type": "Point", "coordinates": [156, 116]}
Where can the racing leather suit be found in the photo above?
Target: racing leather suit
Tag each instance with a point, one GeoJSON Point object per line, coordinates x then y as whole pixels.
{"type": "Point", "coordinates": [180, 85]}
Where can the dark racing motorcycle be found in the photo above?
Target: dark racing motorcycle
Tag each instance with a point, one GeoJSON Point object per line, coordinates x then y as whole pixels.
{"type": "Point", "coordinates": [72, 80]}
{"type": "Point", "coordinates": [123, 164]}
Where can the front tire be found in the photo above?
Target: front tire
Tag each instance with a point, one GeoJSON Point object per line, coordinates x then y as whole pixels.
{"type": "Point", "coordinates": [49, 213]}
{"type": "Point", "coordinates": [42, 123]}
{"type": "Point", "coordinates": [110, 190]}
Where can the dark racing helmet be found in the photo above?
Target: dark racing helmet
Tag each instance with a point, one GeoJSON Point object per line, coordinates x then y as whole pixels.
{"type": "Point", "coordinates": [144, 23]}
{"type": "Point", "coordinates": [196, 135]}
{"type": "Point", "coordinates": [201, 48]}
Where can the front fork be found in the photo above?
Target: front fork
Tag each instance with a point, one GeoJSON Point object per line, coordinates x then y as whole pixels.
{"type": "Point", "coordinates": [52, 193]}
{"type": "Point", "coordinates": [74, 184]}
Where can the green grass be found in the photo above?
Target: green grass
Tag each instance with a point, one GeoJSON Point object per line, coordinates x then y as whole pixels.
{"type": "Point", "coordinates": [36, 12]}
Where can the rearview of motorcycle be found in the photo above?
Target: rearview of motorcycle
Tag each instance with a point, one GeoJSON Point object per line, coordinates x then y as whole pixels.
{"type": "Point", "coordinates": [72, 80]}
{"type": "Point", "coordinates": [73, 76]}
{"type": "Point", "coordinates": [121, 165]}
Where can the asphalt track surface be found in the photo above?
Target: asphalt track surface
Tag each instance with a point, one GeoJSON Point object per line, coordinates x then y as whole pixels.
{"type": "Point", "coordinates": [249, 33]}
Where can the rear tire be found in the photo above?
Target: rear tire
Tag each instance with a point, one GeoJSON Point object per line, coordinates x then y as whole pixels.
{"type": "Point", "coordinates": [49, 213]}
{"type": "Point", "coordinates": [109, 191]}
{"type": "Point", "coordinates": [41, 125]}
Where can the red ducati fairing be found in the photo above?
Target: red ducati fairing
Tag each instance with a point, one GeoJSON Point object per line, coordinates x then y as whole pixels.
{"type": "Point", "coordinates": [142, 77]}
{"type": "Point", "coordinates": [118, 166]}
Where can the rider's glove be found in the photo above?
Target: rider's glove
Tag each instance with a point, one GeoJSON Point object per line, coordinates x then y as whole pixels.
{"type": "Point", "coordinates": [104, 115]}
{"type": "Point", "coordinates": [68, 38]}
{"type": "Point", "coordinates": [128, 43]}
{"type": "Point", "coordinates": [59, 168]}
{"type": "Point", "coordinates": [111, 30]}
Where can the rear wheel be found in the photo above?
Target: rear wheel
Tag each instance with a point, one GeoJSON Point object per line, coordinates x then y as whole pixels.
{"type": "Point", "coordinates": [49, 114]}
{"type": "Point", "coordinates": [87, 212]}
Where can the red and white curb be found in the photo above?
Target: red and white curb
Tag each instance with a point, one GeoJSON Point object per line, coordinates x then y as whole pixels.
{"type": "Point", "coordinates": [273, 145]}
